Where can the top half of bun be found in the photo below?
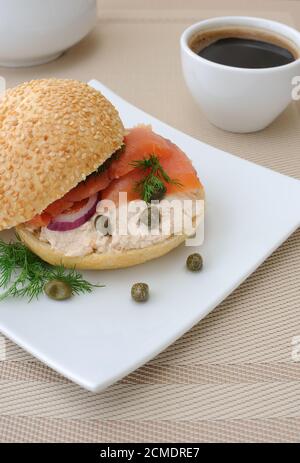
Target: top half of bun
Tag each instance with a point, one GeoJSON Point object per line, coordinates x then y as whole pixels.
{"type": "Point", "coordinates": [53, 133]}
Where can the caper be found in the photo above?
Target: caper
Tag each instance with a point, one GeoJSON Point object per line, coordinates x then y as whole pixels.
{"type": "Point", "coordinates": [102, 224]}
{"type": "Point", "coordinates": [159, 193]}
{"type": "Point", "coordinates": [140, 292]}
{"type": "Point", "coordinates": [194, 262]}
{"type": "Point", "coordinates": [58, 290]}
{"type": "Point", "coordinates": [150, 217]}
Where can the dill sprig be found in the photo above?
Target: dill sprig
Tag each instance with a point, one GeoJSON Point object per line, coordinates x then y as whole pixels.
{"type": "Point", "coordinates": [152, 186]}
{"type": "Point", "coordinates": [24, 274]}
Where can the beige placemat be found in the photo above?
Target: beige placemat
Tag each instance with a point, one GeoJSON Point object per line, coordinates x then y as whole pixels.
{"type": "Point", "coordinates": [232, 377]}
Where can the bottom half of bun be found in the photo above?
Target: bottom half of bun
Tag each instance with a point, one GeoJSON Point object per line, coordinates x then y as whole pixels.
{"type": "Point", "coordinates": [97, 261]}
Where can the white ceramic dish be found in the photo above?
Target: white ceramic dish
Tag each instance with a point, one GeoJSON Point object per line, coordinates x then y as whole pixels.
{"type": "Point", "coordinates": [96, 339]}
{"type": "Point", "coordinates": [37, 31]}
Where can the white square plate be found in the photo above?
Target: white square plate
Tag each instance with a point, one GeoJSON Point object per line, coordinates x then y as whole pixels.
{"type": "Point", "coordinates": [96, 339]}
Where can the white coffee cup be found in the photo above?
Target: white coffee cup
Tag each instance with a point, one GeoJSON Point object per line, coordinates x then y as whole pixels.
{"type": "Point", "coordinates": [37, 31]}
{"type": "Point", "coordinates": [238, 99]}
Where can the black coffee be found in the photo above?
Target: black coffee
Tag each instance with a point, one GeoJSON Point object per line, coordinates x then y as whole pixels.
{"type": "Point", "coordinates": [244, 48]}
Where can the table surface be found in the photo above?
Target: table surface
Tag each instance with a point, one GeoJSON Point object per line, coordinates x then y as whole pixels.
{"type": "Point", "coordinates": [232, 377]}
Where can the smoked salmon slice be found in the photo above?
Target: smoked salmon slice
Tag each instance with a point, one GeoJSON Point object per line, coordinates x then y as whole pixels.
{"type": "Point", "coordinates": [40, 220]}
{"type": "Point", "coordinates": [54, 209]}
{"type": "Point", "coordinates": [125, 184]}
{"type": "Point", "coordinates": [179, 167]}
{"type": "Point", "coordinates": [140, 142]}
{"type": "Point", "coordinates": [187, 179]}
{"type": "Point", "coordinates": [58, 206]}
{"type": "Point", "coordinates": [173, 160]}
{"type": "Point", "coordinates": [92, 185]}
{"type": "Point", "coordinates": [75, 206]}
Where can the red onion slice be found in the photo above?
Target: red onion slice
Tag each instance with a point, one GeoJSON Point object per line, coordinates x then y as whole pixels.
{"type": "Point", "coordinates": [65, 222]}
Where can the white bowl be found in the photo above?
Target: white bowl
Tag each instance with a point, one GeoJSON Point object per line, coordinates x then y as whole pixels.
{"type": "Point", "coordinates": [36, 31]}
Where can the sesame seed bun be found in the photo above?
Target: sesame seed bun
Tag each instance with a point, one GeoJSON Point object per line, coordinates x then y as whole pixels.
{"type": "Point", "coordinates": [53, 133]}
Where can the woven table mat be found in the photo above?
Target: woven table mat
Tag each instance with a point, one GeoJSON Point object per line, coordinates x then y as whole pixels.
{"type": "Point", "coordinates": [232, 377]}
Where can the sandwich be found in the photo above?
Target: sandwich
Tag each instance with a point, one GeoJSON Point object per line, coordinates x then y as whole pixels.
{"type": "Point", "coordinates": [68, 167]}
